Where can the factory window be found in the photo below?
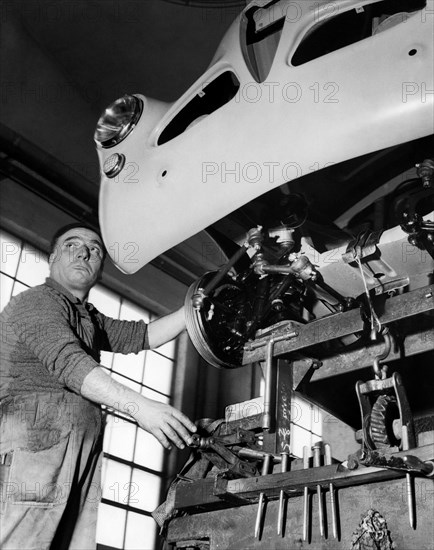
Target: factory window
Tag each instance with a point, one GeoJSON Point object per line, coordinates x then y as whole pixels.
{"type": "Point", "coordinates": [133, 459]}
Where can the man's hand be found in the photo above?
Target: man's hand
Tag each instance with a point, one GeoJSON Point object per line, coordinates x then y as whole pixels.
{"type": "Point", "coordinates": [164, 422]}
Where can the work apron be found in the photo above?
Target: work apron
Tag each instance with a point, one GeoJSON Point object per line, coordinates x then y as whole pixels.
{"type": "Point", "coordinates": [50, 472]}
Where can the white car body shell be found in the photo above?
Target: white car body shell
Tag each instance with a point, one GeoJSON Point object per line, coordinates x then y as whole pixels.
{"type": "Point", "coordinates": [359, 99]}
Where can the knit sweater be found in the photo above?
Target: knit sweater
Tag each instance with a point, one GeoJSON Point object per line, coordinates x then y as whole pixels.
{"type": "Point", "coordinates": [50, 340]}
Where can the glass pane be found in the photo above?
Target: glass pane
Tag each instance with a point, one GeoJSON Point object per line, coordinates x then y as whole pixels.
{"type": "Point", "coordinates": [141, 531]}
{"type": "Point", "coordinates": [145, 492]}
{"type": "Point", "coordinates": [111, 526]}
{"type": "Point", "coordinates": [158, 372]}
{"type": "Point", "coordinates": [149, 452]}
{"type": "Point", "coordinates": [168, 349]}
{"type": "Point", "coordinates": [119, 437]}
{"type": "Point", "coordinates": [130, 312]}
{"type": "Point", "coordinates": [306, 415]}
{"type": "Point", "coordinates": [130, 365]}
{"type": "Point", "coordinates": [10, 253]}
{"type": "Point", "coordinates": [301, 412]}
{"type": "Point", "coordinates": [116, 484]}
{"type": "Point", "coordinates": [6, 284]}
{"type": "Point", "coordinates": [299, 438]}
{"type": "Point", "coordinates": [105, 301]}
{"type": "Point", "coordinates": [107, 359]}
{"type": "Point", "coordinates": [32, 267]}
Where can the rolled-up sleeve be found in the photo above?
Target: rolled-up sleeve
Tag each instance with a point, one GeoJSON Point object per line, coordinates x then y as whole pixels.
{"type": "Point", "coordinates": [124, 336]}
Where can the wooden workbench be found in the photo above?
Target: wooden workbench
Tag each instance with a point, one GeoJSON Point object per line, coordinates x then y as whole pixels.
{"type": "Point", "coordinates": [233, 528]}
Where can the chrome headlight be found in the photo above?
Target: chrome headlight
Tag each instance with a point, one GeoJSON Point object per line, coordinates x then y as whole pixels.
{"type": "Point", "coordinates": [118, 120]}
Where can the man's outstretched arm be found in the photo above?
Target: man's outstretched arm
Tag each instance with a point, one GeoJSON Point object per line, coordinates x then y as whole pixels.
{"type": "Point", "coordinates": [163, 421]}
{"type": "Point", "coordinates": [166, 328]}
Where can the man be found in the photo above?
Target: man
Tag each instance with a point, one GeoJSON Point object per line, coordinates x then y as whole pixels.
{"type": "Point", "coordinates": [51, 389]}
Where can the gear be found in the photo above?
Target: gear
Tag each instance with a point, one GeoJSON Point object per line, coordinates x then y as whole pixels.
{"type": "Point", "coordinates": [384, 412]}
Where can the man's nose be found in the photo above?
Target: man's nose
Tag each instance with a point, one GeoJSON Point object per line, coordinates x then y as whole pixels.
{"type": "Point", "coordinates": [83, 253]}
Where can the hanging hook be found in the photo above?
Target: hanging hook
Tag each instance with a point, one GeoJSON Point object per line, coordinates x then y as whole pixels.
{"type": "Point", "coordinates": [380, 372]}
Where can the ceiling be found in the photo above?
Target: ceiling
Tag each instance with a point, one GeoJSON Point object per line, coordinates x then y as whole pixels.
{"type": "Point", "coordinates": [110, 47]}
{"type": "Point", "coordinates": [63, 62]}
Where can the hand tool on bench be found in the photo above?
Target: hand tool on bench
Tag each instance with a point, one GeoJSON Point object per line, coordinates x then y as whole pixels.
{"type": "Point", "coordinates": [317, 463]}
{"type": "Point", "coordinates": [328, 461]}
{"type": "Point", "coordinates": [283, 468]}
{"type": "Point", "coordinates": [260, 513]}
{"type": "Point", "coordinates": [305, 495]}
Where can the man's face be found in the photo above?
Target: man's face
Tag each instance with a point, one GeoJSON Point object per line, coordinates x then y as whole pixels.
{"type": "Point", "coordinates": [77, 260]}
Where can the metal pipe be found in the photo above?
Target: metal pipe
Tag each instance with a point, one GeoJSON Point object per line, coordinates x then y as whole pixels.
{"type": "Point", "coordinates": [305, 495]}
{"type": "Point", "coordinates": [328, 461]}
{"type": "Point", "coordinates": [224, 270]}
{"type": "Point", "coordinates": [259, 515]}
{"type": "Point", "coordinates": [245, 452]}
{"type": "Point", "coordinates": [405, 442]}
{"type": "Point", "coordinates": [266, 418]}
{"type": "Point", "coordinates": [283, 469]}
{"type": "Point", "coordinates": [317, 463]}
{"type": "Point", "coordinates": [283, 269]}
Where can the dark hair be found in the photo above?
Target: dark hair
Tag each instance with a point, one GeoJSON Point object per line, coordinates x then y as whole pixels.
{"type": "Point", "coordinates": [65, 228]}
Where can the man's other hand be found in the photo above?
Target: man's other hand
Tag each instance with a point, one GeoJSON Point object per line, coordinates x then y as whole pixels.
{"type": "Point", "coordinates": [164, 422]}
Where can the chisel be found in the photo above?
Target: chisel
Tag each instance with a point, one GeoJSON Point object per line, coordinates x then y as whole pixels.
{"type": "Point", "coordinates": [317, 463]}
{"type": "Point", "coordinates": [259, 515]}
{"type": "Point", "coordinates": [283, 468]}
{"type": "Point", "coordinates": [328, 461]}
{"type": "Point", "coordinates": [305, 495]}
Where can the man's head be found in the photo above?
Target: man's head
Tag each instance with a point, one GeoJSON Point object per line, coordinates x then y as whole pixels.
{"type": "Point", "coordinates": [76, 258]}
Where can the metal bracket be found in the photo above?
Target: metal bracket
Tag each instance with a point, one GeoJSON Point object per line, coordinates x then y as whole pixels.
{"type": "Point", "coordinates": [364, 245]}
{"type": "Point", "coordinates": [383, 387]}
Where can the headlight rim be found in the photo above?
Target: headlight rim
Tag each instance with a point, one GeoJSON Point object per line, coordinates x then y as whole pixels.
{"type": "Point", "coordinates": [126, 130]}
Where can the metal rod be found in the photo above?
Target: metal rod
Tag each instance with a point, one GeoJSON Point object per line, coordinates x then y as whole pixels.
{"type": "Point", "coordinates": [328, 461]}
{"type": "Point", "coordinates": [283, 469]}
{"type": "Point", "coordinates": [260, 512]}
{"type": "Point", "coordinates": [305, 495]}
{"type": "Point", "coordinates": [410, 502]}
{"type": "Point", "coordinates": [266, 418]}
{"type": "Point", "coordinates": [283, 269]}
{"type": "Point", "coordinates": [405, 439]}
{"type": "Point", "coordinates": [224, 270]}
{"type": "Point", "coordinates": [317, 463]}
